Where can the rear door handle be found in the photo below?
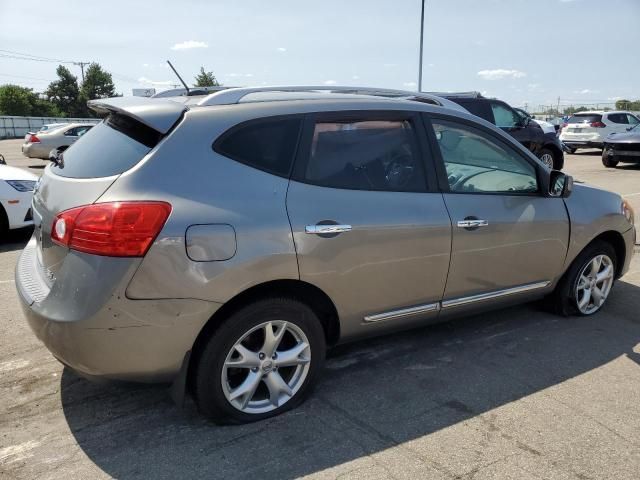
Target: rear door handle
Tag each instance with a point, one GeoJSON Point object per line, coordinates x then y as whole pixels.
{"type": "Point", "coordinates": [475, 223]}
{"type": "Point", "coordinates": [326, 229]}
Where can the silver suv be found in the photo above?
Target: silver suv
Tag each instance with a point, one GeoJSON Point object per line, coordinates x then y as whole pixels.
{"type": "Point", "coordinates": [223, 242]}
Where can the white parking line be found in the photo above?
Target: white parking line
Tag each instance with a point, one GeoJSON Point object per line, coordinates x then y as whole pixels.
{"type": "Point", "coordinates": [6, 281]}
{"type": "Point", "coordinates": [630, 194]}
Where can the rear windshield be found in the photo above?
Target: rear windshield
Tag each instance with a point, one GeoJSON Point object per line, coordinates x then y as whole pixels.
{"type": "Point", "coordinates": [585, 118]}
{"type": "Point", "coordinates": [110, 148]}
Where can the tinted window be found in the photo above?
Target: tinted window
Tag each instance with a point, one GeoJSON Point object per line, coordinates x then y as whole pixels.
{"type": "Point", "coordinates": [380, 155]}
{"type": "Point", "coordinates": [632, 120]}
{"type": "Point", "coordinates": [475, 162]}
{"type": "Point", "coordinates": [585, 118]}
{"type": "Point", "coordinates": [504, 116]}
{"type": "Point", "coordinates": [618, 118]}
{"type": "Point", "coordinates": [479, 108]}
{"type": "Point", "coordinates": [265, 144]}
{"type": "Point", "coordinates": [109, 148]}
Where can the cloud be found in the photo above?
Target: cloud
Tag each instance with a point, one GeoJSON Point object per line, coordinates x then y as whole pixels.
{"type": "Point", "coordinates": [145, 65]}
{"type": "Point", "coordinates": [410, 84]}
{"type": "Point", "coordinates": [500, 73]}
{"type": "Point", "coordinates": [148, 81]}
{"type": "Point", "coordinates": [355, 77]}
{"type": "Point", "coordinates": [281, 49]}
{"type": "Point", "coordinates": [330, 82]}
{"type": "Point", "coordinates": [585, 91]}
{"type": "Point", "coordinates": [389, 65]}
{"type": "Point", "coordinates": [238, 75]}
{"type": "Point", "coordinates": [189, 44]}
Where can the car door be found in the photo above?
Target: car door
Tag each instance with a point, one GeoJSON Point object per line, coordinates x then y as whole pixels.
{"type": "Point", "coordinates": [507, 236]}
{"type": "Point", "coordinates": [633, 120]}
{"type": "Point", "coordinates": [508, 120]}
{"type": "Point", "coordinates": [370, 228]}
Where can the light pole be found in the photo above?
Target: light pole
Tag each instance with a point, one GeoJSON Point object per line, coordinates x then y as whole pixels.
{"type": "Point", "coordinates": [421, 46]}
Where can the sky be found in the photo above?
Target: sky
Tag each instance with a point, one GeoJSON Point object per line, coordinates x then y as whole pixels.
{"type": "Point", "coordinates": [526, 52]}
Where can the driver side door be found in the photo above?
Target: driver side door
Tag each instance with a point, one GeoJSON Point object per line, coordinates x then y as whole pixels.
{"type": "Point", "coordinates": [508, 237]}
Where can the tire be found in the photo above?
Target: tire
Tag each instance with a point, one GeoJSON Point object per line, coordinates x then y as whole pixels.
{"type": "Point", "coordinates": [215, 383]}
{"type": "Point", "coordinates": [4, 224]}
{"type": "Point", "coordinates": [609, 161]}
{"type": "Point", "coordinates": [548, 158]}
{"type": "Point", "coordinates": [566, 297]}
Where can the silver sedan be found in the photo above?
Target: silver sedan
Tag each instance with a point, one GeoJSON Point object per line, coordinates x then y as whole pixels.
{"type": "Point", "coordinates": [38, 145]}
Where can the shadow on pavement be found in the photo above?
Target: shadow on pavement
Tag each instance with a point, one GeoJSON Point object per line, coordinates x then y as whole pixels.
{"type": "Point", "coordinates": [374, 395]}
{"type": "Point", "coordinates": [15, 239]}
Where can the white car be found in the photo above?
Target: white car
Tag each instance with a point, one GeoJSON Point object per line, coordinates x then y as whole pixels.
{"type": "Point", "coordinates": [38, 145]}
{"type": "Point", "coordinates": [16, 190]}
{"type": "Point", "coordinates": [589, 129]}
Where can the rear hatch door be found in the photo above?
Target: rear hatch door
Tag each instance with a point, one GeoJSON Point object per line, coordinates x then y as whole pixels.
{"type": "Point", "coordinates": [580, 124]}
{"type": "Point", "coordinates": [91, 165]}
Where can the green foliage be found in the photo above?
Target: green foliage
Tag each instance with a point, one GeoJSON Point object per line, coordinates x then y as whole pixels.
{"type": "Point", "coordinates": [16, 100]}
{"type": "Point", "coordinates": [628, 105]}
{"type": "Point", "coordinates": [206, 79]}
{"type": "Point", "coordinates": [64, 93]}
{"type": "Point", "coordinates": [571, 110]}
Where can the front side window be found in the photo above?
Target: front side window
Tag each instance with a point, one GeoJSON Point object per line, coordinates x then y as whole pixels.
{"type": "Point", "coordinates": [266, 144]}
{"type": "Point", "coordinates": [632, 120]}
{"type": "Point", "coordinates": [504, 117]}
{"type": "Point", "coordinates": [477, 163]}
{"type": "Point", "coordinates": [368, 154]}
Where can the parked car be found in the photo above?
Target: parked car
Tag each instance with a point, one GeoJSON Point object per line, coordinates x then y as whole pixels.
{"type": "Point", "coordinates": [38, 145]}
{"type": "Point", "coordinates": [545, 145]}
{"type": "Point", "coordinates": [546, 126]}
{"type": "Point", "coordinates": [589, 129]}
{"type": "Point", "coordinates": [622, 147]}
{"type": "Point", "coordinates": [16, 189]}
{"type": "Point", "coordinates": [224, 243]}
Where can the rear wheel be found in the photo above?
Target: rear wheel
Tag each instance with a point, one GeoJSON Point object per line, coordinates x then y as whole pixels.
{"type": "Point", "coordinates": [609, 161]}
{"type": "Point", "coordinates": [547, 157]}
{"type": "Point", "coordinates": [586, 286]}
{"type": "Point", "coordinates": [264, 360]}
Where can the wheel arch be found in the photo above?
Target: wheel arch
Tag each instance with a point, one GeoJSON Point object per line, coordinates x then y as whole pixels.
{"type": "Point", "coordinates": [616, 240]}
{"type": "Point", "coordinates": [305, 292]}
{"type": "Point", "coordinates": [558, 155]}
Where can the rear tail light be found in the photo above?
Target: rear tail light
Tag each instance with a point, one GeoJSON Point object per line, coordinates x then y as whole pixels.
{"type": "Point", "coordinates": [597, 125]}
{"type": "Point", "coordinates": [114, 229]}
{"type": "Point", "coordinates": [33, 138]}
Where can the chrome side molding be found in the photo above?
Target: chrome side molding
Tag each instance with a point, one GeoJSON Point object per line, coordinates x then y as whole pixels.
{"type": "Point", "coordinates": [405, 312]}
{"type": "Point", "coordinates": [456, 302]}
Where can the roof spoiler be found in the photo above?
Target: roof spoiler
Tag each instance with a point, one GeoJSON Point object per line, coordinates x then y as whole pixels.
{"type": "Point", "coordinates": [158, 114]}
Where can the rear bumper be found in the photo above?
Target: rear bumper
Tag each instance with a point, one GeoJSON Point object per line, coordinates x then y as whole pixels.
{"type": "Point", "coordinates": [86, 321]}
{"type": "Point", "coordinates": [582, 144]}
{"type": "Point", "coordinates": [36, 150]}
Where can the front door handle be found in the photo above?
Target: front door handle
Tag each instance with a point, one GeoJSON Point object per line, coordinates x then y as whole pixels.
{"type": "Point", "coordinates": [326, 229]}
{"type": "Point", "coordinates": [472, 223]}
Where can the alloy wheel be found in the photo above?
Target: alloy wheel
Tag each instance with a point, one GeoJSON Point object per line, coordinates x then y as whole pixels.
{"type": "Point", "coordinates": [594, 284]}
{"type": "Point", "coordinates": [266, 367]}
{"type": "Point", "coordinates": [547, 159]}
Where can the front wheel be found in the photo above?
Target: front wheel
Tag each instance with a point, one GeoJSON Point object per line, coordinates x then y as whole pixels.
{"type": "Point", "coordinates": [262, 361]}
{"type": "Point", "coordinates": [586, 286]}
{"type": "Point", "coordinates": [609, 161]}
{"type": "Point", "coordinates": [546, 156]}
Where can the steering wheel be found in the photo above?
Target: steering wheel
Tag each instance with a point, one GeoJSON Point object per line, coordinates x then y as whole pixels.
{"type": "Point", "coordinates": [399, 171]}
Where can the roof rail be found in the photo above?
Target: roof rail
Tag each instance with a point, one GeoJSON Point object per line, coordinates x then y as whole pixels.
{"type": "Point", "coordinates": [234, 95]}
{"type": "Point", "coordinates": [472, 94]}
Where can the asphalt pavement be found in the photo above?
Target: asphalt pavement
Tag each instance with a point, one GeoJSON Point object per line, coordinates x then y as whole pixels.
{"type": "Point", "coordinates": [513, 394]}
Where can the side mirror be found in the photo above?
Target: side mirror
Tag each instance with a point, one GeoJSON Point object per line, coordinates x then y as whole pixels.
{"type": "Point", "coordinates": [55, 156]}
{"type": "Point", "coordinates": [560, 184]}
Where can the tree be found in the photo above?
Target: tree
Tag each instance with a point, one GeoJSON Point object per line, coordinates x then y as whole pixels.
{"type": "Point", "coordinates": [97, 83]}
{"type": "Point", "coordinates": [623, 104]}
{"type": "Point", "coordinates": [21, 101]}
{"type": "Point", "coordinates": [206, 79]}
{"type": "Point", "coordinates": [64, 93]}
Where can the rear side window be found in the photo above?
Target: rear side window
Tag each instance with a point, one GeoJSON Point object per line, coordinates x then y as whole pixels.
{"type": "Point", "coordinates": [479, 108]}
{"type": "Point", "coordinates": [266, 144]}
{"type": "Point", "coordinates": [586, 118]}
{"type": "Point", "coordinates": [618, 118]}
{"type": "Point", "coordinates": [110, 148]}
{"type": "Point", "coordinates": [369, 154]}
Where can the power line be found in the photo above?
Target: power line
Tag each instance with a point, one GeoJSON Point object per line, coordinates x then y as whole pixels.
{"type": "Point", "coordinates": [37, 58]}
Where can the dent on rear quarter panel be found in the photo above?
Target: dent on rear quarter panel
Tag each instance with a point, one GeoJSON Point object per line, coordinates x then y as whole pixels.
{"type": "Point", "coordinates": [204, 187]}
{"type": "Point", "coordinates": [592, 211]}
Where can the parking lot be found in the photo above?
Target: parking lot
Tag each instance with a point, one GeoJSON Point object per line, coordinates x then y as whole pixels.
{"type": "Point", "coordinates": [518, 393]}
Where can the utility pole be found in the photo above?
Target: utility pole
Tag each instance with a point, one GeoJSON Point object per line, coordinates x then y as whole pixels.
{"type": "Point", "coordinates": [421, 46]}
{"type": "Point", "coordinates": [558, 109]}
{"type": "Point", "coordinates": [81, 65]}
